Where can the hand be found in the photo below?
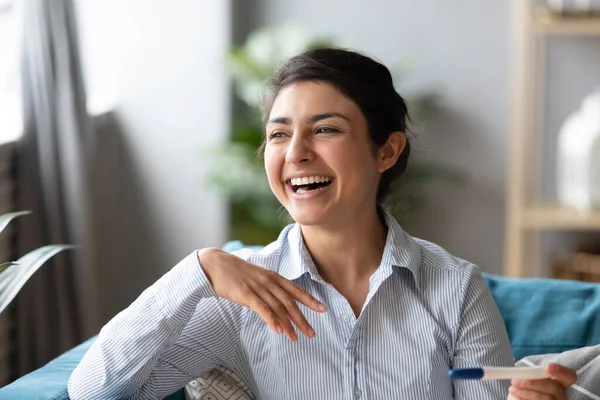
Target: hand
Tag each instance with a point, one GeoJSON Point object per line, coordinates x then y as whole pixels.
{"type": "Point", "coordinates": [264, 291]}
{"type": "Point", "coordinates": [544, 389]}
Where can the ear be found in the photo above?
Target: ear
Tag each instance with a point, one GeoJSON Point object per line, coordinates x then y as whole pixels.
{"type": "Point", "coordinates": [388, 154]}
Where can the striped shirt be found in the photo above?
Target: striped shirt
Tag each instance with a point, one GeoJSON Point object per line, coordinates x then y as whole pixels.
{"type": "Point", "coordinates": [426, 312]}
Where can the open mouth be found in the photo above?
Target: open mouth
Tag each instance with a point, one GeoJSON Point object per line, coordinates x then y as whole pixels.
{"type": "Point", "coordinates": [309, 184]}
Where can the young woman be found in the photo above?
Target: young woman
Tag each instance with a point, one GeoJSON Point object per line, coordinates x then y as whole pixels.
{"type": "Point", "coordinates": [345, 304]}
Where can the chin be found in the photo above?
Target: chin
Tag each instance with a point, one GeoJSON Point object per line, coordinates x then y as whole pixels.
{"type": "Point", "coordinates": [308, 216]}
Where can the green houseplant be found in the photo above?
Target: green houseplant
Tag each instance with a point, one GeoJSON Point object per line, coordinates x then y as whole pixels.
{"type": "Point", "coordinates": [255, 214]}
{"type": "Point", "coordinates": [14, 274]}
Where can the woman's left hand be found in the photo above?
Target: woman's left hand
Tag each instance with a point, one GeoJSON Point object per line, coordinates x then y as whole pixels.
{"type": "Point", "coordinates": [554, 388]}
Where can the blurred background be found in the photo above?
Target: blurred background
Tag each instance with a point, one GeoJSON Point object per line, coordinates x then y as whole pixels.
{"type": "Point", "coordinates": [130, 128]}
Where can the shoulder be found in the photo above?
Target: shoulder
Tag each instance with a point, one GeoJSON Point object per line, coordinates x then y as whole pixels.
{"type": "Point", "coordinates": [447, 279]}
{"type": "Point", "coordinates": [437, 259]}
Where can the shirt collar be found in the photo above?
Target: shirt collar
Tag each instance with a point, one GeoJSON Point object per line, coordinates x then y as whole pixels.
{"type": "Point", "coordinates": [401, 251]}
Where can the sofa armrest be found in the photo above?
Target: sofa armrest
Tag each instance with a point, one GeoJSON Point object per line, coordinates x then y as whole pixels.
{"type": "Point", "coordinates": [50, 381]}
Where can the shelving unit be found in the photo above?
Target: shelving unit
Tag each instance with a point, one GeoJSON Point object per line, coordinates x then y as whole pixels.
{"type": "Point", "coordinates": [557, 217]}
{"type": "Point", "coordinates": [528, 215]}
{"type": "Point", "coordinates": [574, 26]}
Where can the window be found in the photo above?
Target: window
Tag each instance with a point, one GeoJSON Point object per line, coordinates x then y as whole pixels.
{"type": "Point", "coordinates": [11, 124]}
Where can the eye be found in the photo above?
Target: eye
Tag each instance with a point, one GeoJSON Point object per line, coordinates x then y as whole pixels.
{"type": "Point", "coordinates": [277, 134]}
{"type": "Point", "coordinates": [326, 129]}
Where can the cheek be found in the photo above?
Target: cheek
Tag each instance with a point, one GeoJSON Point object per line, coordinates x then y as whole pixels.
{"type": "Point", "coordinates": [357, 165]}
{"type": "Point", "coordinates": [272, 160]}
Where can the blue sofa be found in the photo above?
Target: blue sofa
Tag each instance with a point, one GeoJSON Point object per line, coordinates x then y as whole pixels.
{"type": "Point", "coordinates": [542, 316]}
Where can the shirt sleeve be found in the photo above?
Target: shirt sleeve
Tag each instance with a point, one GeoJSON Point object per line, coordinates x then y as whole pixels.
{"type": "Point", "coordinates": [175, 331]}
{"type": "Point", "coordinates": [481, 339]}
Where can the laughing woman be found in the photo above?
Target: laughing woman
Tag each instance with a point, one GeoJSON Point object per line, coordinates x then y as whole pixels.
{"type": "Point", "coordinates": [345, 304]}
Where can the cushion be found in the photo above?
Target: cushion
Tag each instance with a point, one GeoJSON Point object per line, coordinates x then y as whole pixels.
{"type": "Point", "coordinates": [219, 384]}
{"type": "Point", "coordinates": [545, 316]}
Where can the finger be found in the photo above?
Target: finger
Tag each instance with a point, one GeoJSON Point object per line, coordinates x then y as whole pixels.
{"type": "Point", "coordinates": [563, 375]}
{"type": "Point", "coordinates": [546, 386]}
{"type": "Point", "coordinates": [293, 311]}
{"type": "Point", "coordinates": [259, 306]}
{"type": "Point", "coordinates": [301, 295]}
{"type": "Point", "coordinates": [280, 311]}
{"type": "Point", "coordinates": [525, 394]}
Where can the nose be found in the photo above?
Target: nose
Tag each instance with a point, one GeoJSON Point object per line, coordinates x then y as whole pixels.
{"type": "Point", "coordinates": [299, 150]}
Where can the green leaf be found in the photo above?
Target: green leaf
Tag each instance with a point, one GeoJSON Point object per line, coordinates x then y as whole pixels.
{"type": "Point", "coordinates": [247, 133]}
{"type": "Point", "coordinates": [7, 264]}
{"type": "Point", "coordinates": [425, 173]}
{"type": "Point", "coordinates": [6, 218]}
{"type": "Point", "coordinates": [14, 277]}
{"type": "Point", "coordinates": [243, 67]}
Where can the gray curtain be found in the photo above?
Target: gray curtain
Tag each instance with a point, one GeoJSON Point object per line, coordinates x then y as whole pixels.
{"type": "Point", "coordinates": [58, 303]}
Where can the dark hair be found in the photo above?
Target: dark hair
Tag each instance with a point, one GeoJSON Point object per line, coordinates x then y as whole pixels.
{"type": "Point", "coordinates": [363, 80]}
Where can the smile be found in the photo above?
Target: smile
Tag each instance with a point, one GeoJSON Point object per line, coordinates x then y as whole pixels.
{"type": "Point", "coordinates": [309, 183]}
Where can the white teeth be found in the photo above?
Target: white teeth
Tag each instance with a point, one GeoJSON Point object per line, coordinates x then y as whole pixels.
{"type": "Point", "coordinates": [309, 180]}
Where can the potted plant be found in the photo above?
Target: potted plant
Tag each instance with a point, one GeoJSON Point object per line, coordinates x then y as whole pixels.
{"type": "Point", "coordinates": [14, 274]}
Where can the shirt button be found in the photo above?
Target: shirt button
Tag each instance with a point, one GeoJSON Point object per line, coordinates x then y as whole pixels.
{"type": "Point", "coordinates": [345, 317]}
{"type": "Point", "coordinates": [357, 393]}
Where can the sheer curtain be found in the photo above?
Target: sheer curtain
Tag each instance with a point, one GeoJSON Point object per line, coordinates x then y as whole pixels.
{"type": "Point", "coordinates": [57, 306]}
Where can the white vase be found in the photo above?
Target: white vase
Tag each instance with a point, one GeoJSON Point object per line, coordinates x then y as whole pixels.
{"type": "Point", "coordinates": [578, 158]}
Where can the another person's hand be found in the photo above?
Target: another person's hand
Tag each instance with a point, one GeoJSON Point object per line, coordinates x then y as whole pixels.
{"type": "Point", "coordinates": [266, 292]}
{"type": "Point", "coordinates": [544, 389]}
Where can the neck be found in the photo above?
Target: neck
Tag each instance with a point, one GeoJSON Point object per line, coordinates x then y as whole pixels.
{"type": "Point", "coordinates": [349, 251]}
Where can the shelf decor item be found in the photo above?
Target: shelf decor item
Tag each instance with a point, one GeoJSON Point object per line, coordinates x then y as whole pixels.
{"type": "Point", "coordinates": [579, 266]}
{"type": "Point", "coordinates": [578, 158]}
{"type": "Point", "coordinates": [572, 8]}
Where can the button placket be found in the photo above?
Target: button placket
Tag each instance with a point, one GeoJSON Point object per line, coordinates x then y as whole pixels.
{"type": "Point", "coordinates": [360, 385]}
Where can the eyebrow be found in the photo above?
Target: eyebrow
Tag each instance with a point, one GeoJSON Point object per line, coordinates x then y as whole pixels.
{"type": "Point", "coordinates": [311, 120]}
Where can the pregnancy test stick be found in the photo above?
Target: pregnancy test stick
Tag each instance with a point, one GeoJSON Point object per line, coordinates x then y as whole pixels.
{"type": "Point", "coordinates": [489, 373]}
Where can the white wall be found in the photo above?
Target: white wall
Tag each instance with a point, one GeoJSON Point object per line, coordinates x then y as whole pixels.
{"type": "Point", "coordinates": [160, 65]}
{"type": "Point", "coordinates": [461, 48]}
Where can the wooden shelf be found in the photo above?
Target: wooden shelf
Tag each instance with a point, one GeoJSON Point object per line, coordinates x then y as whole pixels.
{"type": "Point", "coordinates": [568, 26]}
{"type": "Point", "coordinates": [526, 218]}
{"type": "Point", "coordinates": [560, 218]}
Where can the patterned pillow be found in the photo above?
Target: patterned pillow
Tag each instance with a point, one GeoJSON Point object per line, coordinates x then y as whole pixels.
{"type": "Point", "coordinates": [223, 384]}
{"type": "Point", "coordinates": [219, 384]}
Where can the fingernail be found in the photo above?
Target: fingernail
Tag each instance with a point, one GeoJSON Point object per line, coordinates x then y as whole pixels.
{"type": "Point", "coordinates": [279, 329]}
{"type": "Point", "coordinates": [311, 332]}
{"type": "Point", "coordinates": [322, 307]}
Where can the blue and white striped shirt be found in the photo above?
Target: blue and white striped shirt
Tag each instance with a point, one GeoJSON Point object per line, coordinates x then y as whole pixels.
{"type": "Point", "coordinates": [426, 312]}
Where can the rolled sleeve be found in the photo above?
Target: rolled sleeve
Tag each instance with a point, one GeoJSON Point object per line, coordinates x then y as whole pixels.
{"type": "Point", "coordinates": [482, 340]}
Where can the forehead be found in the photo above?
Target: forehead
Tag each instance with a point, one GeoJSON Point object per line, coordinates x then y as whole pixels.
{"type": "Point", "coordinates": [308, 98]}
